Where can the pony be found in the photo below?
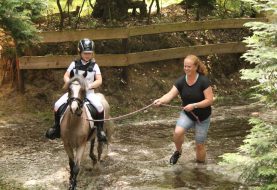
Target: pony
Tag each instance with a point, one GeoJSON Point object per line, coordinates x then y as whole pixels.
{"type": "Point", "coordinates": [77, 129]}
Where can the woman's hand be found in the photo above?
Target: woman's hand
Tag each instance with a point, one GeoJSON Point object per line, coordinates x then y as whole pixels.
{"type": "Point", "coordinates": [189, 108]}
{"type": "Point", "coordinates": [90, 86]}
{"type": "Point", "coordinates": [157, 102]}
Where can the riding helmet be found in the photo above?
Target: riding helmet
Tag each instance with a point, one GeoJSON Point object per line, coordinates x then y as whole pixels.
{"type": "Point", "coordinates": [85, 45]}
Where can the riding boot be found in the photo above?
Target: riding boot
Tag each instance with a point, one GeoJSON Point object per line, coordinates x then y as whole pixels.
{"type": "Point", "coordinates": [101, 135]}
{"type": "Point", "coordinates": [54, 132]}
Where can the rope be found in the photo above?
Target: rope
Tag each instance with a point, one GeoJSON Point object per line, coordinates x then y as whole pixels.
{"type": "Point", "coordinates": [139, 110]}
{"type": "Point", "coordinates": [123, 116]}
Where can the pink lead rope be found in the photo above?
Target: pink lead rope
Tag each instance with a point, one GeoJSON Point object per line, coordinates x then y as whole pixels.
{"type": "Point", "coordinates": [144, 108]}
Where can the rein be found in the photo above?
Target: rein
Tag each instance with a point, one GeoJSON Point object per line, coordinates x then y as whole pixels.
{"type": "Point", "coordinates": [144, 108]}
{"type": "Point", "coordinates": [79, 102]}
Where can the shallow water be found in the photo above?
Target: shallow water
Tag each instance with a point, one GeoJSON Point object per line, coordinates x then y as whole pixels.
{"type": "Point", "coordinates": [138, 158]}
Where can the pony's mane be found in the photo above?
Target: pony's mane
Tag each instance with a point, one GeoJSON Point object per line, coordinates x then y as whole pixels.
{"type": "Point", "coordinates": [80, 79]}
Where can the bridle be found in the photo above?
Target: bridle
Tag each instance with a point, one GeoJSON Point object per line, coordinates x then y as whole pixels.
{"type": "Point", "coordinates": [79, 101]}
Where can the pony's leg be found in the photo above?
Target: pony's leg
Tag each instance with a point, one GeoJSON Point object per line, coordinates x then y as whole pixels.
{"type": "Point", "coordinates": [72, 164]}
{"type": "Point", "coordinates": [73, 176]}
{"type": "Point", "coordinates": [76, 167]}
{"type": "Point", "coordinates": [91, 152]}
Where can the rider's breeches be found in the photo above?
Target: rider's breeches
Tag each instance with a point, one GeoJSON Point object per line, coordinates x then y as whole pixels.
{"type": "Point", "coordinates": [91, 96]}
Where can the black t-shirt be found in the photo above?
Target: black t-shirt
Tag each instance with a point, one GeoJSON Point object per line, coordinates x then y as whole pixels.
{"type": "Point", "coordinates": [193, 94]}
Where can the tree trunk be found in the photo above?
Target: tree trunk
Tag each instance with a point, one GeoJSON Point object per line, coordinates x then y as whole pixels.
{"type": "Point", "coordinates": [158, 7]}
{"type": "Point", "coordinates": [61, 14]}
{"type": "Point", "coordinates": [111, 9]}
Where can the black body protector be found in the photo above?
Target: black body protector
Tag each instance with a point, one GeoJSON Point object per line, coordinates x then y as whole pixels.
{"type": "Point", "coordinates": [80, 67]}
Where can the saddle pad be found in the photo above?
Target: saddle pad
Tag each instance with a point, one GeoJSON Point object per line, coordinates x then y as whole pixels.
{"type": "Point", "coordinates": [91, 123]}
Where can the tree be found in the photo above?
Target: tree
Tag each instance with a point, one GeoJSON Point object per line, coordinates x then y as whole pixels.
{"type": "Point", "coordinates": [258, 155]}
{"type": "Point", "coordinates": [200, 6]}
{"type": "Point", "coordinates": [117, 9]}
{"type": "Point", "coordinates": [110, 9]}
{"type": "Point", "coordinates": [15, 17]}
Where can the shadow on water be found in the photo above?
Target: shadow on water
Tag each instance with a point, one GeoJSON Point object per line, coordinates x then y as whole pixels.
{"type": "Point", "coordinates": [139, 159]}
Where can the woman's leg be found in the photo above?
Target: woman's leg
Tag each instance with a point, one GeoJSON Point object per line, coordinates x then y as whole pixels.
{"type": "Point", "coordinates": [201, 132]}
{"type": "Point", "coordinates": [200, 153]}
{"type": "Point", "coordinates": [62, 100]}
{"type": "Point", "coordinates": [178, 137]}
{"type": "Point", "coordinates": [95, 101]}
{"type": "Point", "coordinates": [183, 124]}
{"type": "Point", "coordinates": [54, 132]}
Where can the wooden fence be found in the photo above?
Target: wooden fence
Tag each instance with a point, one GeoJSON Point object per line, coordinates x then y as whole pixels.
{"type": "Point", "coordinates": [62, 61]}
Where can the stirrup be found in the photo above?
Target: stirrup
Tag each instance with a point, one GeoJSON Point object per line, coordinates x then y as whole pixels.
{"type": "Point", "coordinates": [174, 158]}
{"type": "Point", "coordinates": [52, 133]}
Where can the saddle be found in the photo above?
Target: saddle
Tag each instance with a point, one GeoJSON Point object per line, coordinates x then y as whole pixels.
{"type": "Point", "coordinates": [90, 109]}
{"type": "Point", "coordinates": [91, 112]}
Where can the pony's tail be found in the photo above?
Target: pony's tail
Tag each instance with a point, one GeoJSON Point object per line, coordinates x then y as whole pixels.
{"type": "Point", "coordinates": [109, 126]}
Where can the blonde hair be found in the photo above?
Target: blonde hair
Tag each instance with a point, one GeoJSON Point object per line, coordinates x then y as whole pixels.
{"type": "Point", "coordinates": [201, 68]}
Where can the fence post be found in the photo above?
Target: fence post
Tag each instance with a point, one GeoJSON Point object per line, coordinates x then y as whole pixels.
{"type": "Point", "coordinates": [20, 77]}
{"type": "Point", "coordinates": [125, 48]}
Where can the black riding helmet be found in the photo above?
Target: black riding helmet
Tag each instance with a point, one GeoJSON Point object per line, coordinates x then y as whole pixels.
{"type": "Point", "coordinates": [85, 45]}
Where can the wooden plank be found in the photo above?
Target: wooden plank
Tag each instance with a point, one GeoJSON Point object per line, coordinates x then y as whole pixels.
{"type": "Point", "coordinates": [121, 33]}
{"type": "Point", "coordinates": [76, 35]}
{"type": "Point", "coordinates": [196, 25]}
{"type": "Point", "coordinates": [115, 60]}
{"type": "Point", "coordinates": [63, 61]}
{"type": "Point", "coordinates": [181, 52]}
{"type": "Point", "coordinates": [112, 60]}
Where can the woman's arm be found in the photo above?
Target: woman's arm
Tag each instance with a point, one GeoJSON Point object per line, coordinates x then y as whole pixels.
{"type": "Point", "coordinates": [66, 77]}
{"type": "Point", "coordinates": [167, 97]}
{"type": "Point", "coordinates": [97, 82]}
{"type": "Point", "coordinates": [209, 96]}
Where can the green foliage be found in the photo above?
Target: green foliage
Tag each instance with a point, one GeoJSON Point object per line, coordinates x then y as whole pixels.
{"type": "Point", "coordinates": [200, 3]}
{"type": "Point", "coordinates": [262, 54]}
{"type": "Point", "coordinates": [263, 5]}
{"type": "Point", "coordinates": [201, 7]}
{"type": "Point", "coordinates": [15, 17]}
{"type": "Point", "coordinates": [233, 9]}
{"type": "Point", "coordinates": [258, 156]}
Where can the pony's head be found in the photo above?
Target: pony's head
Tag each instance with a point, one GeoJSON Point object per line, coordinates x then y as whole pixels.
{"type": "Point", "coordinates": [76, 88]}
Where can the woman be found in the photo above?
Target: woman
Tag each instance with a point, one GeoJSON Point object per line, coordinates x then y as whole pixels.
{"type": "Point", "coordinates": [87, 67]}
{"type": "Point", "coordinates": [197, 97]}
